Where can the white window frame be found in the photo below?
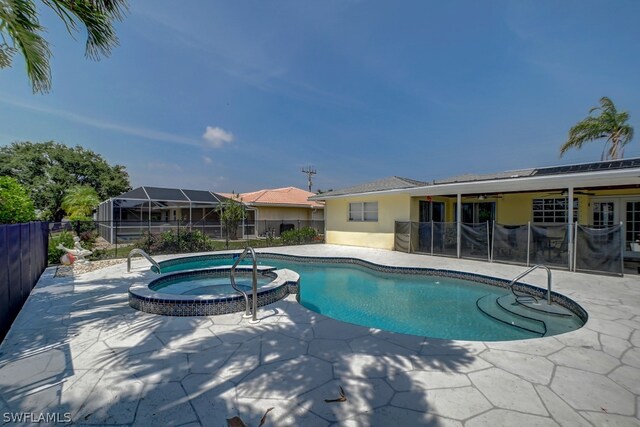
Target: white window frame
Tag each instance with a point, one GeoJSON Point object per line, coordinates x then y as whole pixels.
{"type": "Point", "coordinates": [365, 212]}
{"type": "Point", "coordinates": [550, 214]}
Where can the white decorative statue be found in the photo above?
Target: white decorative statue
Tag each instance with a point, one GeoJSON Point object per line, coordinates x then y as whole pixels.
{"type": "Point", "coordinates": [78, 252]}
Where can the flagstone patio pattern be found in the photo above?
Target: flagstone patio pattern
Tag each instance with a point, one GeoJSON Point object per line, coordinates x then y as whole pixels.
{"type": "Point", "coordinates": [78, 348]}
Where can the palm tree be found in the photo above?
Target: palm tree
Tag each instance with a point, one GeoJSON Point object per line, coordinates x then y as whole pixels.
{"type": "Point", "coordinates": [610, 124]}
{"type": "Point", "coordinates": [20, 30]}
{"type": "Point", "coordinates": [79, 201]}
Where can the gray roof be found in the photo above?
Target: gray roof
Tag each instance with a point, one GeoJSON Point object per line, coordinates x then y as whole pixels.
{"type": "Point", "coordinates": [390, 183]}
{"type": "Point", "coordinates": [396, 183]}
{"type": "Point", "coordinates": [172, 194]}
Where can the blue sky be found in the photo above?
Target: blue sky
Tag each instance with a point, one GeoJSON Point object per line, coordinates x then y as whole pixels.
{"type": "Point", "coordinates": [238, 96]}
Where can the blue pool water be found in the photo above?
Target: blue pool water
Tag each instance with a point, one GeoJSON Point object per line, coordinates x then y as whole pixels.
{"type": "Point", "coordinates": [431, 306]}
{"type": "Point", "coordinates": [214, 286]}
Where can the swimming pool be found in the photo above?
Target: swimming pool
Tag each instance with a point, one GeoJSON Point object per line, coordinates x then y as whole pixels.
{"type": "Point", "coordinates": [427, 302]}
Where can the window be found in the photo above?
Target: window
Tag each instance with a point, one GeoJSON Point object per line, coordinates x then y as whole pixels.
{"type": "Point", "coordinates": [477, 212]}
{"type": "Point", "coordinates": [363, 211]}
{"type": "Point", "coordinates": [553, 210]}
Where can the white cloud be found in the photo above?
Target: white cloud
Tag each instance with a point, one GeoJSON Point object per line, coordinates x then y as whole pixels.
{"type": "Point", "coordinates": [208, 160]}
{"type": "Point", "coordinates": [216, 137]}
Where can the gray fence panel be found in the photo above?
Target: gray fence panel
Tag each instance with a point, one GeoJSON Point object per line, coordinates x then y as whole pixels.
{"type": "Point", "coordinates": [599, 249]}
{"type": "Point", "coordinates": [23, 258]}
{"type": "Point", "coordinates": [13, 267]}
{"type": "Point", "coordinates": [510, 243]}
{"type": "Point", "coordinates": [25, 263]}
{"type": "Point", "coordinates": [425, 233]}
{"type": "Point", "coordinates": [5, 308]}
{"type": "Point", "coordinates": [549, 245]}
{"type": "Point", "coordinates": [445, 239]}
{"type": "Point", "coordinates": [474, 242]}
{"type": "Point", "coordinates": [402, 236]}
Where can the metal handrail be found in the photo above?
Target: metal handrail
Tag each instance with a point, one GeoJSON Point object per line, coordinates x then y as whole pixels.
{"type": "Point", "coordinates": [232, 275]}
{"type": "Point", "coordinates": [144, 254]}
{"type": "Point", "coordinates": [520, 276]}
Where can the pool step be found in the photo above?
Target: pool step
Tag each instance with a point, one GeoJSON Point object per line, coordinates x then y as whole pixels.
{"type": "Point", "coordinates": [556, 318]}
{"type": "Point", "coordinates": [490, 306]}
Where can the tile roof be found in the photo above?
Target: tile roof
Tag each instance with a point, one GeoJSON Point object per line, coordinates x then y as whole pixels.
{"type": "Point", "coordinates": [279, 196]}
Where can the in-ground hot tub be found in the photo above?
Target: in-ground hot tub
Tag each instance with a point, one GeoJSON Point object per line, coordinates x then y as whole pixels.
{"type": "Point", "coordinates": [208, 292]}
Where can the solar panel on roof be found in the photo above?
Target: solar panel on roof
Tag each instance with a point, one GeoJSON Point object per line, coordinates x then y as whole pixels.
{"type": "Point", "coordinates": [590, 167]}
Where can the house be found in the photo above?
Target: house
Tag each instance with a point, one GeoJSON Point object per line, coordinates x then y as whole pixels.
{"type": "Point", "coordinates": [602, 194]}
{"type": "Point", "coordinates": [281, 209]}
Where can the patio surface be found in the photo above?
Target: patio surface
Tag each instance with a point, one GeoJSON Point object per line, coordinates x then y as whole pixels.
{"type": "Point", "coordinates": [78, 348]}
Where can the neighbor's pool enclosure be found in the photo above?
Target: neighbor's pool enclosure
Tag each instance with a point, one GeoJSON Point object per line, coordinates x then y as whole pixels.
{"type": "Point", "coordinates": [154, 210]}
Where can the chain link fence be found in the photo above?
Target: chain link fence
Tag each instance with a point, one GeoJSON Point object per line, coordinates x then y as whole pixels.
{"type": "Point", "coordinates": [108, 239]}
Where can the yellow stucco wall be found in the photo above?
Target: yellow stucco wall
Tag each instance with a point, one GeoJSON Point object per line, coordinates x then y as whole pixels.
{"type": "Point", "coordinates": [511, 209]}
{"type": "Point", "coordinates": [379, 234]}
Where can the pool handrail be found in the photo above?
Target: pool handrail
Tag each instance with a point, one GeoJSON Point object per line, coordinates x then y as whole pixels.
{"type": "Point", "coordinates": [520, 276]}
{"type": "Point", "coordinates": [232, 276]}
{"type": "Point", "coordinates": [144, 254]}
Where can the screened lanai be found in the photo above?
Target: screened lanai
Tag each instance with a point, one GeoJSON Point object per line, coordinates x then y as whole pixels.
{"type": "Point", "coordinates": [155, 210]}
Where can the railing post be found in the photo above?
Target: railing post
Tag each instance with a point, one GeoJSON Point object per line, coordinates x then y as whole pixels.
{"type": "Point", "coordinates": [489, 245]}
{"type": "Point", "coordinates": [432, 232]}
{"type": "Point", "coordinates": [528, 242]}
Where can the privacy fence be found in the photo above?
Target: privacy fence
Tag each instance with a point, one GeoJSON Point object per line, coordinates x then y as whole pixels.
{"type": "Point", "coordinates": [23, 258]}
{"type": "Point", "coordinates": [592, 249]}
{"type": "Point", "coordinates": [115, 239]}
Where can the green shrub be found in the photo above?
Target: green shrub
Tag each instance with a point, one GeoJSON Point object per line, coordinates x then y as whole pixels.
{"type": "Point", "coordinates": [296, 237]}
{"type": "Point", "coordinates": [66, 239]}
{"type": "Point", "coordinates": [307, 234]}
{"type": "Point", "coordinates": [170, 242]}
{"type": "Point", "coordinates": [15, 204]}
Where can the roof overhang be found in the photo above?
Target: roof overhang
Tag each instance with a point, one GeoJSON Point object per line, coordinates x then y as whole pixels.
{"type": "Point", "coordinates": [623, 177]}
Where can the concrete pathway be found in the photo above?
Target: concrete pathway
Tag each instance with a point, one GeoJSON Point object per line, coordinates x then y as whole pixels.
{"type": "Point", "coordinates": [77, 350]}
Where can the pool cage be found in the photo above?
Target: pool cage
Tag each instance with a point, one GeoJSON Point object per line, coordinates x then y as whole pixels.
{"type": "Point", "coordinates": [154, 210]}
{"type": "Point", "coordinates": [592, 249]}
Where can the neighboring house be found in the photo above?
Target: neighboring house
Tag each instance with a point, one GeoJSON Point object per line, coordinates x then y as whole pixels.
{"type": "Point", "coordinates": [604, 194]}
{"type": "Point", "coordinates": [155, 209]}
{"type": "Point", "coordinates": [281, 209]}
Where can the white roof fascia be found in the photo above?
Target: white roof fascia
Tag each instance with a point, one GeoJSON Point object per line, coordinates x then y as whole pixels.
{"type": "Point", "coordinates": [531, 183]}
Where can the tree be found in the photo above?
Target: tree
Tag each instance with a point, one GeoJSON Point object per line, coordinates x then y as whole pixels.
{"type": "Point", "coordinates": [231, 213]}
{"type": "Point", "coordinates": [47, 170]}
{"type": "Point", "coordinates": [610, 124]}
{"type": "Point", "coordinates": [79, 202]}
{"type": "Point", "coordinates": [21, 31]}
{"type": "Point", "coordinates": [15, 204]}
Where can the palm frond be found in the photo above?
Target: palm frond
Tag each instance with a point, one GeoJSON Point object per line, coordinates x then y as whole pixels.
{"type": "Point", "coordinates": [97, 16]}
{"type": "Point", "coordinates": [20, 22]}
{"type": "Point", "coordinates": [608, 124]}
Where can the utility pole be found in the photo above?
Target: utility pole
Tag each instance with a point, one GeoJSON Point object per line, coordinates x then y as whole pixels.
{"type": "Point", "coordinates": [310, 171]}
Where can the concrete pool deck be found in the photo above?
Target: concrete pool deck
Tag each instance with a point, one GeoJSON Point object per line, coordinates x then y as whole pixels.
{"type": "Point", "coordinates": [77, 348]}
